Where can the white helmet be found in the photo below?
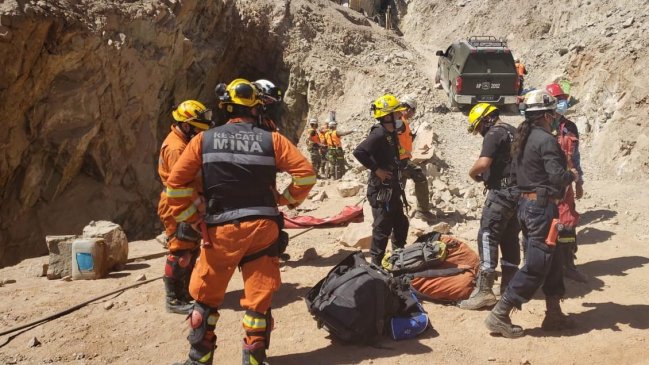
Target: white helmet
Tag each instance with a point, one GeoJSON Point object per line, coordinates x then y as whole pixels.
{"type": "Point", "coordinates": [313, 121]}
{"type": "Point", "coordinates": [409, 101]}
{"type": "Point", "coordinates": [539, 100]}
{"type": "Point", "coordinates": [332, 124]}
{"type": "Point", "coordinates": [269, 92]}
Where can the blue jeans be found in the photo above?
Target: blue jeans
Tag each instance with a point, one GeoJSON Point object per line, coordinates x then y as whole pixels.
{"type": "Point", "coordinates": [499, 228]}
{"type": "Point", "coordinates": [542, 266]}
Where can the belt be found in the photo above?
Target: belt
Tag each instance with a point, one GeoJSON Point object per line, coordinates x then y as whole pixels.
{"type": "Point", "coordinates": [532, 196]}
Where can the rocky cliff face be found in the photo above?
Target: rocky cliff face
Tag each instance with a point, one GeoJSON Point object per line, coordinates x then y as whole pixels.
{"type": "Point", "coordinates": [87, 89]}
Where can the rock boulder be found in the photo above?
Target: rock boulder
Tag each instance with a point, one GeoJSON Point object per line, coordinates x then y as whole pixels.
{"type": "Point", "coordinates": [115, 241]}
{"type": "Point", "coordinates": [60, 248]}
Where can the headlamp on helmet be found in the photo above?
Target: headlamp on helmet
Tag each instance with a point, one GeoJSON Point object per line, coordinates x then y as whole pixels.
{"type": "Point", "coordinates": [268, 92]}
{"type": "Point", "coordinates": [538, 100]}
{"type": "Point", "coordinates": [239, 92]}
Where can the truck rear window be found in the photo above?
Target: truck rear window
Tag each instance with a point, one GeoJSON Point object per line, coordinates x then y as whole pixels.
{"type": "Point", "coordinates": [489, 63]}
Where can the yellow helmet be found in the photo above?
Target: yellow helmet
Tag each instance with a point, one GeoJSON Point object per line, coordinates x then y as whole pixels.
{"type": "Point", "coordinates": [477, 113]}
{"type": "Point", "coordinates": [241, 92]}
{"type": "Point", "coordinates": [385, 105]}
{"type": "Point", "coordinates": [193, 112]}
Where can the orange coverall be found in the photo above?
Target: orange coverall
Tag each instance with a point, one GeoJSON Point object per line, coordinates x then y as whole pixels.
{"type": "Point", "coordinates": [232, 241]}
{"type": "Point", "coordinates": [405, 141]}
{"type": "Point", "coordinates": [170, 152]}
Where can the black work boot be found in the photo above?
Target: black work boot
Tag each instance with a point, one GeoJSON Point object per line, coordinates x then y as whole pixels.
{"type": "Point", "coordinates": [483, 295]}
{"type": "Point", "coordinates": [254, 354]}
{"type": "Point", "coordinates": [498, 320]}
{"type": "Point", "coordinates": [569, 268]}
{"type": "Point", "coordinates": [425, 215]}
{"type": "Point", "coordinates": [173, 301]}
{"type": "Point", "coordinates": [554, 319]}
{"type": "Point", "coordinates": [508, 274]}
{"type": "Point", "coordinates": [178, 268]}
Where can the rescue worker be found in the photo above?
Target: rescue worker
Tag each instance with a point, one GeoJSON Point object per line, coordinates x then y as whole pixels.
{"type": "Point", "coordinates": [379, 152]}
{"type": "Point", "coordinates": [271, 98]}
{"type": "Point", "coordinates": [242, 225]}
{"type": "Point", "coordinates": [313, 143]}
{"type": "Point", "coordinates": [498, 225]}
{"type": "Point", "coordinates": [408, 169]}
{"type": "Point", "coordinates": [521, 71]}
{"type": "Point", "coordinates": [322, 134]}
{"type": "Point", "coordinates": [542, 178]}
{"type": "Point", "coordinates": [568, 137]}
{"type": "Point", "coordinates": [190, 117]}
{"type": "Point", "coordinates": [335, 153]}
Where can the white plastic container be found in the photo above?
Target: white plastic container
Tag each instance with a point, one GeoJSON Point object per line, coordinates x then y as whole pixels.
{"type": "Point", "coordinates": [88, 259]}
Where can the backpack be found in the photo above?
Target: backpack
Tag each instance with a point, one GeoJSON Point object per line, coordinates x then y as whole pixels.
{"type": "Point", "coordinates": [453, 279]}
{"type": "Point", "coordinates": [425, 253]}
{"type": "Point", "coordinates": [356, 301]}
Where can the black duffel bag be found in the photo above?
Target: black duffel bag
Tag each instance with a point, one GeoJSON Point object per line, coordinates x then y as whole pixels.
{"type": "Point", "coordinates": [355, 301]}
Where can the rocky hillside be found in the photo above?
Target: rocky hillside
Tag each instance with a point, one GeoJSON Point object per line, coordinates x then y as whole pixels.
{"type": "Point", "coordinates": [87, 87]}
{"type": "Point", "coordinates": [601, 47]}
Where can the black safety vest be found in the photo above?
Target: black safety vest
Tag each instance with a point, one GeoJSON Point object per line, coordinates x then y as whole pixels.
{"type": "Point", "coordinates": [501, 173]}
{"type": "Point", "coordinates": [238, 173]}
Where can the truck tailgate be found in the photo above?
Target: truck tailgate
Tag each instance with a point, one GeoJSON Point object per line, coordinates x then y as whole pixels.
{"type": "Point", "coordinates": [489, 84]}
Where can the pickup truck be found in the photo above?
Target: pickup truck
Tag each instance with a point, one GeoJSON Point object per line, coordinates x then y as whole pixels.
{"type": "Point", "coordinates": [478, 69]}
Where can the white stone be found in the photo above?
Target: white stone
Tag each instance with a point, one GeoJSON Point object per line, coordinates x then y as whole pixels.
{"type": "Point", "coordinates": [423, 148]}
{"type": "Point", "coordinates": [357, 235]}
{"type": "Point", "coordinates": [114, 238]}
{"type": "Point", "coordinates": [33, 342]}
{"type": "Point", "coordinates": [320, 196]}
{"type": "Point", "coordinates": [348, 188]}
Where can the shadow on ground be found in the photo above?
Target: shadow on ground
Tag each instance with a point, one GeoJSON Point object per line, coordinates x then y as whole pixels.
{"type": "Point", "coordinates": [596, 216]}
{"type": "Point", "coordinates": [590, 235]}
{"type": "Point", "coordinates": [135, 266]}
{"type": "Point", "coordinates": [602, 316]}
{"type": "Point", "coordinates": [287, 294]}
{"type": "Point", "coordinates": [318, 261]}
{"type": "Point", "coordinates": [616, 266]}
{"type": "Point", "coordinates": [336, 353]}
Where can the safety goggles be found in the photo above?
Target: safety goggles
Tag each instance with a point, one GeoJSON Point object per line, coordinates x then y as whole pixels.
{"type": "Point", "coordinates": [202, 120]}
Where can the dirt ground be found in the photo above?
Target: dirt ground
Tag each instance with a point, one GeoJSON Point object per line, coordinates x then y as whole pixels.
{"type": "Point", "coordinates": [612, 309]}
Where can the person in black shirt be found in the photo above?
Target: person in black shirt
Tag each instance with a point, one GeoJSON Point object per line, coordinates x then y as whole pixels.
{"type": "Point", "coordinates": [542, 176]}
{"type": "Point", "coordinates": [379, 152]}
{"type": "Point", "coordinates": [498, 225]}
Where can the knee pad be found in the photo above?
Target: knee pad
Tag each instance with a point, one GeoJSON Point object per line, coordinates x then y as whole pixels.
{"type": "Point", "coordinates": [202, 322]}
{"type": "Point", "coordinates": [179, 263]}
{"type": "Point", "coordinates": [259, 325]}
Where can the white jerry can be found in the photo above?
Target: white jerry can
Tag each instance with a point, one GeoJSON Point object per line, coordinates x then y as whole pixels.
{"type": "Point", "coordinates": [88, 259]}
